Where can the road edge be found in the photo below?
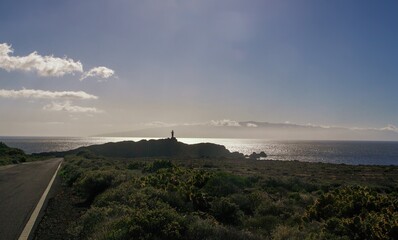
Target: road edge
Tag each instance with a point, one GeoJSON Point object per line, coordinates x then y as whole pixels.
{"type": "Point", "coordinates": [32, 220]}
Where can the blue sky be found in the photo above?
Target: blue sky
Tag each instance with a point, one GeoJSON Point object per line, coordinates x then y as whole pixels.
{"type": "Point", "coordinates": [320, 62]}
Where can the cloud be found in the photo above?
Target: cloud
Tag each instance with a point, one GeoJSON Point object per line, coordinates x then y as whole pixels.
{"type": "Point", "coordinates": [217, 123]}
{"type": "Point", "coordinates": [47, 66]}
{"type": "Point", "coordinates": [41, 94]}
{"type": "Point", "coordinates": [251, 125]}
{"type": "Point", "coordinates": [68, 107]}
{"type": "Point", "coordinates": [102, 72]}
{"type": "Point", "coordinates": [318, 126]}
{"type": "Point", "coordinates": [389, 127]}
{"type": "Point", "coordinates": [224, 123]}
{"type": "Point", "coordinates": [156, 124]}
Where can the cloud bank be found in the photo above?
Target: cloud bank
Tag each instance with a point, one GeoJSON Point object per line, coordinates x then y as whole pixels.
{"type": "Point", "coordinates": [41, 94]}
{"type": "Point", "coordinates": [102, 72]}
{"type": "Point", "coordinates": [47, 66]}
{"type": "Point", "coordinates": [68, 107]}
{"type": "Point", "coordinates": [157, 124]}
{"type": "Point", "coordinates": [224, 123]}
{"type": "Point", "coordinates": [233, 123]}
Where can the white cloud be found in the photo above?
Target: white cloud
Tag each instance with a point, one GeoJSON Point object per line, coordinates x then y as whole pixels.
{"type": "Point", "coordinates": [41, 94]}
{"type": "Point", "coordinates": [217, 123]}
{"type": "Point", "coordinates": [68, 107]}
{"type": "Point", "coordinates": [225, 122]}
{"type": "Point", "coordinates": [318, 126]}
{"type": "Point", "coordinates": [102, 72]}
{"type": "Point", "coordinates": [390, 127]}
{"type": "Point", "coordinates": [48, 66]}
{"type": "Point", "coordinates": [251, 125]}
{"type": "Point", "coordinates": [156, 124]}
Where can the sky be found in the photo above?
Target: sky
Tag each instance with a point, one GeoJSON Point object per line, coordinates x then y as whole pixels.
{"type": "Point", "coordinates": [79, 68]}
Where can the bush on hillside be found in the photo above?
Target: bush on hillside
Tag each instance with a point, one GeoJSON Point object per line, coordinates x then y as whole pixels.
{"type": "Point", "coordinates": [357, 212]}
{"type": "Point", "coordinates": [94, 182]}
{"type": "Point", "coordinates": [156, 165]}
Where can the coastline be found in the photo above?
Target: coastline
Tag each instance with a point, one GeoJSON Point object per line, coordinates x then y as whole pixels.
{"type": "Point", "coordinates": [348, 152]}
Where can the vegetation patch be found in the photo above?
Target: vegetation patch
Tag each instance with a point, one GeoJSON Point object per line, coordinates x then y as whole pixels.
{"type": "Point", "coordinates": [185, 199]}
{"type": "Point", "coordinates": [9, 155]}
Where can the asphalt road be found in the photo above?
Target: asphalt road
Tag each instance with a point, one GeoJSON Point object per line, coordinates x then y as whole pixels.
{"type": "Point", "coordinates": [21, 187]}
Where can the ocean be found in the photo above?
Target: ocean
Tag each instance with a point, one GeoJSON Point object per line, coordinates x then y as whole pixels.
{"type": "Point", "coordinates": [347, 152]}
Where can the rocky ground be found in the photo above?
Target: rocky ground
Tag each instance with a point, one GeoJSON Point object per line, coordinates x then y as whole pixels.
{"type": "Point", "coordinates": [56, 222]}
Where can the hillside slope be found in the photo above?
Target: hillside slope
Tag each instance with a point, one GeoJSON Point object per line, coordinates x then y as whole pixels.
{"type": "Point", "coordinates": [154, 148]}
{"type": "Point", "coordinates": [10, 155]}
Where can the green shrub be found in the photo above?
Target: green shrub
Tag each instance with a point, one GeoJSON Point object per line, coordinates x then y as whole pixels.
{"type": "Point", "coordinates": [118, 195]}
{"type": "Point", "coordinates": [288, 185]}
{"type": "Point", "coordinates": [264, 224]}
{"type": "Point", "coordinates": [357, 212]}
{"type": "Point", "coordinates": [283, 232]}
{"type": "Point", "coordinates": [223, 184]}
{"type": "Point", "coordinates": [92, 183]}
{"type": "Point", "coordinates": [70, 173]}
{"type": "Point", "coordinates": [22, 159]}
{"type": "Point", "coordinates": [158, 223]}
{"type": "Point", "coordinates": [175, 200]}
{"type": "Point", "coordinates": [248, 203]}
{"type": "Point", "coordinates": [211, 230]}
{"type": "Point", "coordinates": [135, 165]}
{"type": "Point", "coordinates": [87, 154]}
{"type": "Point", "coordinates": [158, 164]}
{"type": "Point", "coordinates": [225, 211]}
{"type": "Point", "coordinates": [98, 222]}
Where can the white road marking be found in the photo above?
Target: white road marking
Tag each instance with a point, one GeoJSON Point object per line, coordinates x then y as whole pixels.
{"type": "Point", "coordinates": [28, 227]}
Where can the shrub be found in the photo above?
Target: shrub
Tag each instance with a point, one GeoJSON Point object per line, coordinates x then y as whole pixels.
{"type": "Point", "coordinates": [357, 212]}
{"type": "Point", "coordinates": [283, 232]}
{"type": "Point", "coordinates": [158, 223]}
{"type": "Point", "coordinates": [225, 211]}
{"type": "Point", "coordinates": [223, 184]}
{"type": "Point", "coordinates": [158, 164]}
{"type": "Point", "coordinates": [98, 222]}
{"type": "Point", "coordinates": [70, 173]}
{"type": "Point", "coordinates": [211, 230]}
{"type": "Point", "coordinates": [174, 199]}
{"type": "Point", "coordinates": [288, 185]}
{"type": "Point", "coordinates": [248, 203]}
{"type": "Point", "coordinates": [87, 154]}
{"type": "Point", "coordinates": [22, 159]}
{"type": "Point", "coordinates": [93, 183]}
{"type": "Point", "coordinates": [264, 224]}
{"type": "Point", "coordinates": [135, 165]}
